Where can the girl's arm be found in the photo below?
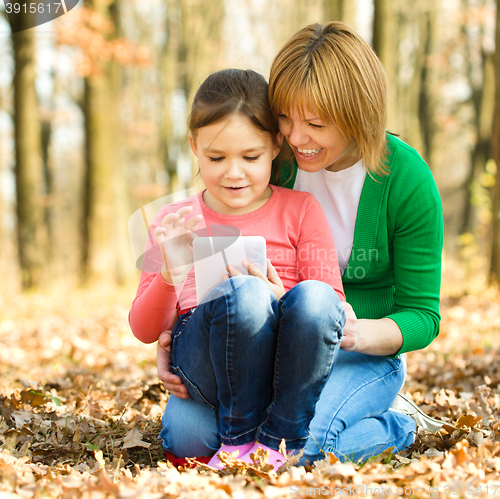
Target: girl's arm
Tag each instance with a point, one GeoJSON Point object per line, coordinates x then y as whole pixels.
{"type": "Point", "coordinates": [155, 303]}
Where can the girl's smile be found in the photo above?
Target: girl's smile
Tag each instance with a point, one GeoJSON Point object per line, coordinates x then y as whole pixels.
{"type": "Point", "coordinates": [235, 164]}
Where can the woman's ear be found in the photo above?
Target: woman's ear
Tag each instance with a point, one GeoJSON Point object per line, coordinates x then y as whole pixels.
{"type": "Point", "coordinates": [192, 143]}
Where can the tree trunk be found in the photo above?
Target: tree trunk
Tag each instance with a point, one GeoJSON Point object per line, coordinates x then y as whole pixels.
{"type": "Point", "coordinates": [30, 189]}
{"type": "Point", "coordinates": [340, 10]}
{"type": "Point", "coordinates": [427, 99]}
{"type": "Point", "coordinates": [495, 245]}
{"type": "Point", "coordinates": [482, 99]}
{"type": "Point", "coordinates": [200, 49]}
{"type": "Point", "coordinates": [103, 173]}
{"type": "Point", "coordinates": [170, 74]}
{"type": "Point", "coordinates": [386, 43]}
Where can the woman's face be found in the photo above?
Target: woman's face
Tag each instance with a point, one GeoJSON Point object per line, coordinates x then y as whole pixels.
{"type": "Point", "coordinates": [316, 144]}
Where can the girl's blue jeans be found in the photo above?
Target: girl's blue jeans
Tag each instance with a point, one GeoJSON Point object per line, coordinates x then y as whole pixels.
{"type": "Point", "coordinates": [261, 369]}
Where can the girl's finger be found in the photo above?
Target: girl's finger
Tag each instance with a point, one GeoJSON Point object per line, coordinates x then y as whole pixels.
{"type": "Point", "coordinates": [169, 219]}
{"type": "Point", "coordinates": [253, 270]}
{"type": "Point", "coordinates": [182, 215]}
{"type": "Point", "coordinates": [272, 275]}
{"type": "Point", "coordinates": [159, 230]}
{"type": "Point", "coordinates": [182, 212]}
{"type": "Point", "coordinates": [192, 223]}
{"type": "Point", "coordinates": [233, 270]}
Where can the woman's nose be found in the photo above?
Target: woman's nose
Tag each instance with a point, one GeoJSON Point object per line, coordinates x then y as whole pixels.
{"type": "Point", "coordinates": [296, 135]}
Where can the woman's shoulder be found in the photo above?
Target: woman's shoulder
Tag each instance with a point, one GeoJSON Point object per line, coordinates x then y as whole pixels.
{"type": "Point", "coordinates": [403, 162]}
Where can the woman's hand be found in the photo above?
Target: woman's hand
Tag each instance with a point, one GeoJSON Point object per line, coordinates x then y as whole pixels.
{"type": "Point", "coordinates": [171, 382]}
{"type": "Point", "coordinates": [175, 237]}
{"type": "Point", "coordinates": [351, 330]}
{"type": "Point", "coordinates": [370, 336]}
{"type": "Point", "coordinates": [272, 278]}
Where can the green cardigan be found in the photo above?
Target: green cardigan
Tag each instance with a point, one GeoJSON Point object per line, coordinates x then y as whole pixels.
{"type": "Point", "coordinates": [394, 269]}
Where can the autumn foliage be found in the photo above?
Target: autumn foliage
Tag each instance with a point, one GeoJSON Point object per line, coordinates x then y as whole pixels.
{"type": "Point", "coordinates": [81, 406]}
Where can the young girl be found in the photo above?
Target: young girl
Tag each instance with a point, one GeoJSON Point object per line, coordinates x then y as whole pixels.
{"type": "Point", "coordinates": [259, 351]}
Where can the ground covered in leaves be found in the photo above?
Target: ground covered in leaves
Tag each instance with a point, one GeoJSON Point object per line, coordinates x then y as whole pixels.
{"type": "Point", "coordinates": [80, 409]}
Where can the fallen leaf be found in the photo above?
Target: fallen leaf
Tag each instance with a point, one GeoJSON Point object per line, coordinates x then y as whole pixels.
{"type": "Point", "coordinates": [134, 439]}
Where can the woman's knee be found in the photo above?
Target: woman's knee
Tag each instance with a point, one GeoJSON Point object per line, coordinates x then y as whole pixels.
{"type": "Point", "coordinates": [189, 429]}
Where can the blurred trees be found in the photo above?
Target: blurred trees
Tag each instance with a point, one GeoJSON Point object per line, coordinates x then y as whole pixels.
{"type": "Point", "coordinates": [30, 185]}
{"type": "Point", "coordinates": [136, 68]}
{"type": "Point", "coordinates": [340, 10]}
{"type": "Point", "coordinates": [495, 245]}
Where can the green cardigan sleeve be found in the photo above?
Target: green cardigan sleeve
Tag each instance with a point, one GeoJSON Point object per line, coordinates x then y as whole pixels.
{"type": "Point", "coordinates": [417, 244]}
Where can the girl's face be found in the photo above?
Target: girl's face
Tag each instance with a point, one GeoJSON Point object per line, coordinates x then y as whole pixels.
{"type": "Point", "coordinates": [316, 144]}
{"type": "Point", "coordinates": [235, 165]}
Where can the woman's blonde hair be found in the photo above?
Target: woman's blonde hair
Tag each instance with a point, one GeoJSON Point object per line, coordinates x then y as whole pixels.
{"type": "Point", "coordinates": [332, 71]}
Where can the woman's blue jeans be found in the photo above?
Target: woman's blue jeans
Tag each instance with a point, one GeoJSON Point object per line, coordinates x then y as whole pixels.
{"type": "Point", "coordinates": [258, 363]}
{"type": "Point", "coordinates": [322, 399]}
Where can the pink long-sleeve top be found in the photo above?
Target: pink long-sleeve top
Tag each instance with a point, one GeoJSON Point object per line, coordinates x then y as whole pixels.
{"type": "Point", "coordinates": [298, 240]}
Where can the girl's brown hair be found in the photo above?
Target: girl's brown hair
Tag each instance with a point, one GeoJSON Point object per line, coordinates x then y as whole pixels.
{"type": "Point", "coordinates": [230, 92]}
{"type": "Point", "coordinates": [331, 70]}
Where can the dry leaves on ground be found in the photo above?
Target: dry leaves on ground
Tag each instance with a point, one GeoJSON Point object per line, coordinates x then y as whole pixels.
{"type": "Point", "coordinates": [81, 406]}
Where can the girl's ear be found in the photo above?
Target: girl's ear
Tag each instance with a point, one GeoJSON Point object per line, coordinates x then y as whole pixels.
{"type": "Point", "coordinates": [192, 143]}
{"type": "Point", "coordinates": [276, 150]}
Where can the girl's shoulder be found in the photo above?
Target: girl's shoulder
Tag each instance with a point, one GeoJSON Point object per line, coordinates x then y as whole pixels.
{"type": "Point", "coordinates": [288, 195]}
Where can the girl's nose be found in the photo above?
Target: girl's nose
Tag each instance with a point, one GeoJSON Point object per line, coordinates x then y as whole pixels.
{"type": "Point", "coordinates": [234, 170]}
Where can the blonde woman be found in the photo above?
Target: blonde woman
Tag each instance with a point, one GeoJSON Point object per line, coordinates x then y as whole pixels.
{"type": "Point", "coordinates": [328, 91]}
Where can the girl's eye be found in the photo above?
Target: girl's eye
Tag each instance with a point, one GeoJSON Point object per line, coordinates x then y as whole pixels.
{"type": "Point", "coordinates": [313, 125]}
{"type": "Point", "coordinates": [251, 158]}
{"type": "Point", "coordinates": [216, 160]}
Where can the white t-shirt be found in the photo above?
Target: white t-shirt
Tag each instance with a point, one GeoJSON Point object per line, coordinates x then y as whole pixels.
{"type": "Point", "coordinates": [338, 194]}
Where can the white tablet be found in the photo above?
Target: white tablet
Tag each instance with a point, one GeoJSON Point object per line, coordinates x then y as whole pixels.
{"type": "Point", "coordinates": [213, 254]}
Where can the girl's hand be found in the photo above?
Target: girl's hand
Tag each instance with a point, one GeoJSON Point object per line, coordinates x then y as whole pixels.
{"type": "Point", "coordinates": [272, 279]}
{"type": "Point", "coordinates": [171, 381]}
{"type": "Point", "coordinates": [175, 236]}
{"type": "Point", "coordinates": [351, 330]}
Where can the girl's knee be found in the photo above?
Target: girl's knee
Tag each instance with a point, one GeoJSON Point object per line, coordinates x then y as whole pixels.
{"type": "Point", "coordinates": [315, 303]}
{"type": "Point", "coordinates": [249, 295]}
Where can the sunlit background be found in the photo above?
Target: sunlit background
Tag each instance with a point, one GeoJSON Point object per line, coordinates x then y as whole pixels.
{"type": "Point", "coordinates": [93, 111]}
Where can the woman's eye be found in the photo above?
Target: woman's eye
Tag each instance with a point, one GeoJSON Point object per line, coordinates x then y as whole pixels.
{"type": "Point", "coordinates": [313, 125]}
{"type": "Point", "coordinates": [216, 160]}
{"type": "Point", "coordinates": [251, 158]}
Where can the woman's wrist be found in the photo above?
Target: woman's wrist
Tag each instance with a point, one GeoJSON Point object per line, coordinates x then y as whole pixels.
{"type": "Point", "coordinates": [378, 337]}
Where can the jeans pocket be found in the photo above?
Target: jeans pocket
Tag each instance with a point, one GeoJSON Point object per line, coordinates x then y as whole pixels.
{"type": "Point", "coordinates": [193, 390]}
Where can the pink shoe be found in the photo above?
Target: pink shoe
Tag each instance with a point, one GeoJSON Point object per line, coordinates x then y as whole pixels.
{"type": "Point", "coordinates": [242, 450]}
{"type": "Point", "coordinates": [276, 459]}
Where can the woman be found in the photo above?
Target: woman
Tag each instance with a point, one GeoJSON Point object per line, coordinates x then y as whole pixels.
{"type": "Point", "coordinates": [328, 90]}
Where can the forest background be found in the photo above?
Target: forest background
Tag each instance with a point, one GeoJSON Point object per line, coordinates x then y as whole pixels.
{"type": "Point", "coordinates": [93, 111]}
{"type": "Point", "coordinates": [93, 119]}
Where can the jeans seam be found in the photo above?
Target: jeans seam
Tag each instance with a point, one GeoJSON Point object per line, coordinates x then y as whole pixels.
{"type": "Point", "coordinates": [275, 374]}
{"type": "Point", "coordinates": [191, 384]}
